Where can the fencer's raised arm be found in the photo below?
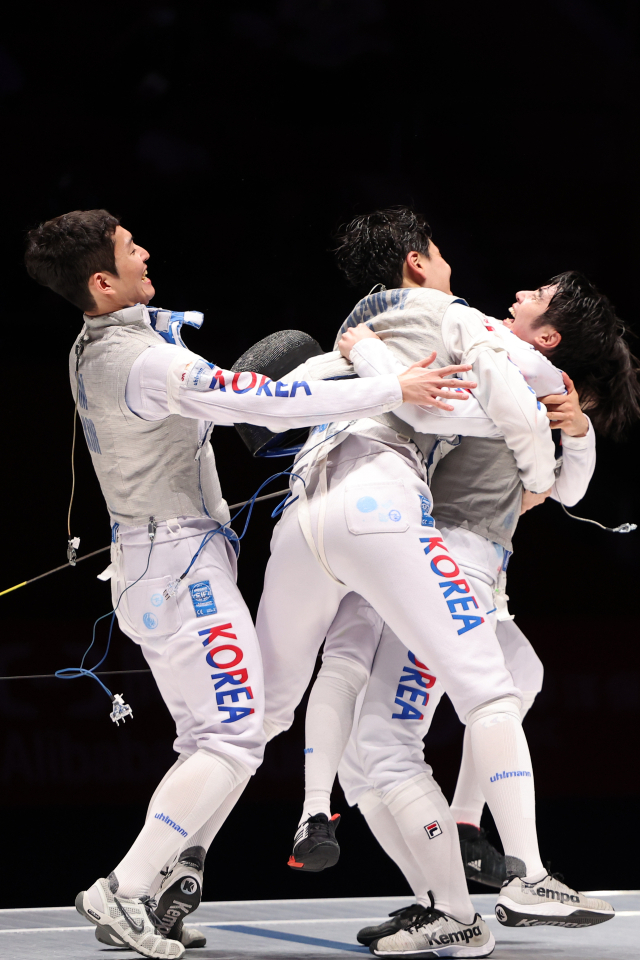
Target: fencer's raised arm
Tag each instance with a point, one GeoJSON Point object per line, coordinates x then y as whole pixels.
{"type": "Point", "coordinates": [169, 379]}
{"type": "Point", "coordinates": [575, 468]}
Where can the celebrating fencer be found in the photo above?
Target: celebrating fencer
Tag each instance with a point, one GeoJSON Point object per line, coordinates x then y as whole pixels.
{"type": "Point", "coordinates": [147, 406]}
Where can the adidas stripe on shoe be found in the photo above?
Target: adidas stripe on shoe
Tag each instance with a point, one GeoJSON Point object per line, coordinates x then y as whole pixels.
{"type": "Point", "coordinates": [315, 846]}
{"type": "Point", "coordinates": [548, 902]}
{"type": "Point", "coordinates": [482, 862]}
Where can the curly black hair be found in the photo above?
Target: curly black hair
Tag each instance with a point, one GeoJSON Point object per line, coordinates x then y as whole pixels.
{"type": "Point", "coordinates": [65, 252]}
{"type": "Point", "coordinates": [594, 353]}
{"type": "Point", "coordinates": [372, 248]}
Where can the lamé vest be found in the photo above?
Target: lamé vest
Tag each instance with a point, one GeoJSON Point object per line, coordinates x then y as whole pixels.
{"type": "Point", "coordinates": [161, 468]}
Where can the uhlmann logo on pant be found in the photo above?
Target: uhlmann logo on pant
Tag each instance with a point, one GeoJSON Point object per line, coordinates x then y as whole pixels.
{"type": "Point", "coordinates": [510, 773]}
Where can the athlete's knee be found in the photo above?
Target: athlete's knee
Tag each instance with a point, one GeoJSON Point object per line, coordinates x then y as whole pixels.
{"type": "Point", "coordinates": [345, 671]}
{"type": "Point", "coordinates": [496, 710]}
{"type": "Point", "coordinates": [272, 728]}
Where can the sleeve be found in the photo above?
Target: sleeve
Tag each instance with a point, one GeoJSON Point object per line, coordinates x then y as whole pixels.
{"type": "Point", "coordinates": [504, 395]}
{"type": "Point", "coordinates": [576, 469]}
{"type": "Point", "coordinates": [372, 358]}
{"type": "Point", "coordinates": [174, 380]}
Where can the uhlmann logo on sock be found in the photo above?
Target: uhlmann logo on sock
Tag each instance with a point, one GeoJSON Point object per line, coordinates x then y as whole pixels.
{"type": "Point", "coordinates": [161, 816]}
{"type": "Point", "coordinates": [510, 773]}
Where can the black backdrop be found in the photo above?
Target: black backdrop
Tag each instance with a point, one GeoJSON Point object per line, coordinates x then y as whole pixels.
{"type": "Point", "coordinates": [233, 146]}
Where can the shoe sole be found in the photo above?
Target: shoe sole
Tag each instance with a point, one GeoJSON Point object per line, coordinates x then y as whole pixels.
{"type": "Point", "coordinates": [320, 858]}
{"type": "Point", "coordinates": [450, 951]}
{"type": "Point", "coordinates": [511, 914]}
{"type": "Point", "coordinates": [484, 879]}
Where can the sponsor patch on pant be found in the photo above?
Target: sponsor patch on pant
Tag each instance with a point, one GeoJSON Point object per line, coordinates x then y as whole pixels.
{"type": "Point", "coordinates": [202, 598]}
{"type": "Point", "coordinates": [433, 829]}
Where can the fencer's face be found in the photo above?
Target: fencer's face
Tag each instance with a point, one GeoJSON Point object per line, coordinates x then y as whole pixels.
{"type": "Point", "coordinates": [529, 306]}
{"type": "Point", "coordinates": [132, 285]}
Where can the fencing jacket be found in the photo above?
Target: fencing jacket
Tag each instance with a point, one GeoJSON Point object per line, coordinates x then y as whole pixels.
{"type": "Point", "coordinates": [147, 407]}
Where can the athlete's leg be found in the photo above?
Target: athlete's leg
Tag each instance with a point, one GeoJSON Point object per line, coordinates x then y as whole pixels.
{"type": "Point", "coordinates": [349, 649]}
{"type": "Point", "coordinates": [407, 571]}
{"type": "Point", "coordinates": [297, 607]}
{"type": "Point", "coordinates": [525, 667]}
{"type": "Point", "coordinates": [208, 669]}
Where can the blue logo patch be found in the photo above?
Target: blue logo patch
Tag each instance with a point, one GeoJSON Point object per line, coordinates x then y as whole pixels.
{"type": "Point", "coordinates": [202, 598]}
{"type": "Point", "coordinates": [395, 515]}
{"type": "Point", "coordinates": [366, 504]}
{"type": "Point", "coordinates": [425, 506]}
{"type": "Point", "coordinates": [157, 599]}
{"type": "Point", "coordinates": [150, 621]}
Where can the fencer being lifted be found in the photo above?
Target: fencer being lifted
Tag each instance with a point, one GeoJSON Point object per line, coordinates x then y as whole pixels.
{"type": "Point", "coordinates": [363, 524]}
{"type": "Point", "coordinates": [148, 406]}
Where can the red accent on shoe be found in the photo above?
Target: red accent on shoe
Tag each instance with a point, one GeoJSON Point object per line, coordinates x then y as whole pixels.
{"type": "Point", "coordinates": [336, 816]}
{"type": "Point", "coordinates": [292, 862]}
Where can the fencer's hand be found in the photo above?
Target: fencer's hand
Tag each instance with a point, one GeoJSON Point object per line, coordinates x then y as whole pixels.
{"type": "Point", "coordinates": [352, 335]}
{"type": "Point", "coordinates": [423, 387]}
{"type": "Point", "coordinates": [530, 499]}
{"type": "Point", "coordinates": [564, 410]}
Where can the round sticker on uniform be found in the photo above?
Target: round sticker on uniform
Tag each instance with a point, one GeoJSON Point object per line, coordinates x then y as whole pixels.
{"type": "Point", "coordinates": [395, 515]}
{"type": "Point", "coordinates": [157, 599]}
{"type": "Point", "coordinates": [366, 504]}
{"type": "Point", "coordinates": [150, 621]}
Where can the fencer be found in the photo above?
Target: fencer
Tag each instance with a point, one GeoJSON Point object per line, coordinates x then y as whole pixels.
{"type": "Point", "coordinates": [147, 406]}
{"type": "Point", "coordinates": [474, 497]}
{"type": "Point", "coordinates": [363, 524]}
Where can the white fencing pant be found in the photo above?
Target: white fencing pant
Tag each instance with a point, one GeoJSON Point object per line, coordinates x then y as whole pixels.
{"type": "Point", "coordinates": [379, 543]}
{"type": "Point", "coordinates": [201, 645]}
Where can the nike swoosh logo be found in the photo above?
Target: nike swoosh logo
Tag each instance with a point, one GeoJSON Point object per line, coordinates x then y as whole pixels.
{"type": "Point", "coordinates": [136, 927]}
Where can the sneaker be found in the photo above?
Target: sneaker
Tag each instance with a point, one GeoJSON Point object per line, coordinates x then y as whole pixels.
{"type": "Point", "coordinates": [548, 902]}
{"type": "Point", "coordinates": [189, 937]}
{"type": "Point", "coordinates": [402, 918]}
{"type": "Point", "coordinates": [481, 860]}
{"type": "Point", "coordinates": [315, 846]}
{"type": "Point", "coordinates": [125, 921]}
{"type": "Point", "coordinates": [180, 894]}
{"type": "Point", "coordinates": [434, 934]}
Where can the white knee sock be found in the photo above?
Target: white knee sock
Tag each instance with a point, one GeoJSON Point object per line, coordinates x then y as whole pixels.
{"type": "Point", "coordinates": [181, 806]}
{"type": "Point", "coordinates": [328, 726]}
{"type": "Point", "coordinates": [503, 766]}
{"type": "Point", "coordinates": [423, 818]}
{"type": "Point", "coordinates": [205, 835]}
{"type": "Point", "coordinates": [385, 830]}
{"type": "Point", "coordinates": [170, 772]}
{"type": "Point", "coordinates": [468, 800]}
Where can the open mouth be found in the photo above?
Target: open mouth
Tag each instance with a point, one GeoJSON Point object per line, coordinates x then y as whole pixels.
{"type": "Point", "coordinates": [512, 312]}
{"type": "Point", "coordinates": [145, 277]}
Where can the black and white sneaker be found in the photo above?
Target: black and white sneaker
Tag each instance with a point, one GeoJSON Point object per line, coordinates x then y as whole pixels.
{"type": "Point", "coordinates": [180, 894]}
{"type": "Point", "coordinates": [548, 902]}
{"type": "Point", "coordinates": [435, 934]}
{"type": "Point", "coordinates": [402, 919]}
{"type": "Point", "coordinates": [315, 846]}
{"type": "Point", "coordinates": [125, 922]}
{"type": "Point", "coordinates": [481, 860]}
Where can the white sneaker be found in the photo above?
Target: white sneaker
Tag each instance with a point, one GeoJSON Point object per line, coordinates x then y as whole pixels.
{"type": "Point", "coordinates": [548, 903]}
{"type": "Point", "coordinates": [124, 921]}
{"type": "Point", "coordinates": [190, 937]}
{"type": "Point", "coordinates": [435, 934]}
{"type": "Point", "coordinates": [180, 894]}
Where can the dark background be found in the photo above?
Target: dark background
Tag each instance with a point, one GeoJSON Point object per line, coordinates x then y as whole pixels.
{"type": "Point", "coordinates": [232, 147]}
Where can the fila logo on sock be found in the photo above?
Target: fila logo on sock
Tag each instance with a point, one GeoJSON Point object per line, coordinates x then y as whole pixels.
{"type": "Point", "coordinates": [236, 679]}
{"type": "Point", "coordinates": [433, 829]}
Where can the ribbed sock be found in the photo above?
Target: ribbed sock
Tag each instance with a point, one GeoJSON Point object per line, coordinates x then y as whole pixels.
{"type": "Point", "coordinates": [385, 830]}
{"type": "Point", "coordinates": [503, 766]}
{"type": "Point", "coordinates": [328, 726]}
{"type": "Point", "coordinates": [423, 818]}
{"type": "Point", "coordinates": [180, 808]}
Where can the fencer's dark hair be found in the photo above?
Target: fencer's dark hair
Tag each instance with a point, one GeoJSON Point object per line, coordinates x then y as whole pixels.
{"type": "Point", "coordinates": [65, 252]}
{"type": "Point", "coordinates": [372, 248]}
{"type": "Point", "coordinates": [594, 353]}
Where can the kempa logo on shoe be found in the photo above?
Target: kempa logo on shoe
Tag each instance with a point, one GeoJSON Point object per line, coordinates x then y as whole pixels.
{"type": "Point", "coordinates": [189, 885]}
{"type": "Point", "coordinates": [173, 914]}
{"type": "Point", "coordinates": [456, 937]}
{"type": "Point", "coordinates": [559, 895]}
{"type": "Point", "coordinates": [136, 927]}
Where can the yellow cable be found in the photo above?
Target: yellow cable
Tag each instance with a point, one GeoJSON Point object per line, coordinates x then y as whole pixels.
{"type": "Point", "coordinates": [17, 587]}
